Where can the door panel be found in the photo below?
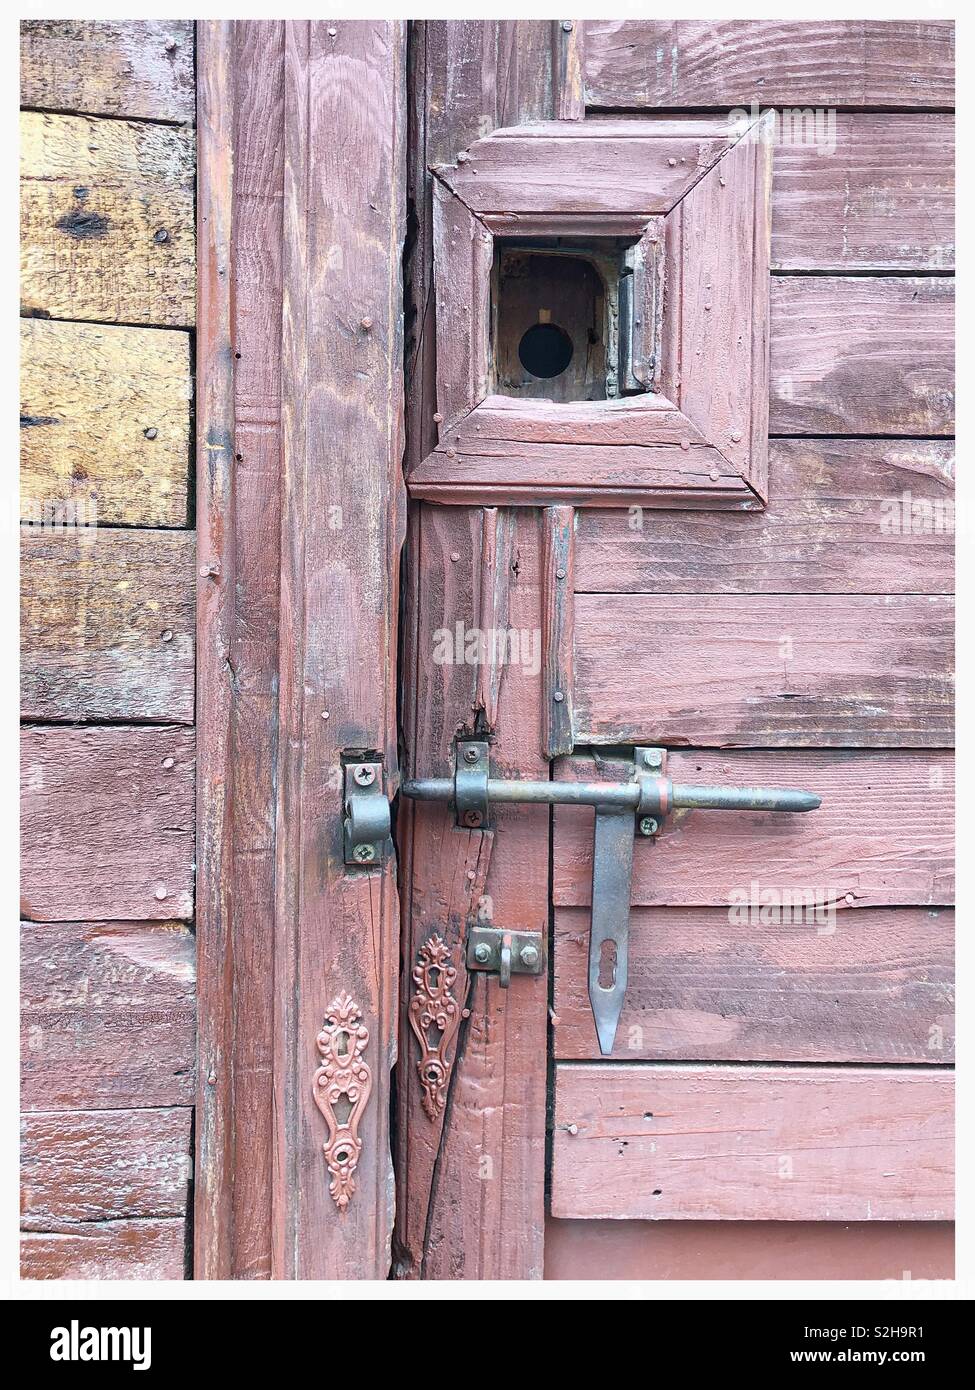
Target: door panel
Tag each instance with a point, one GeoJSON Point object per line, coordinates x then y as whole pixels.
{"type": "Point", "coordinates": [883, 835]}
{"type": "Point", "coordinates": [842, 671]}
{"type": "Point", "coordinates": [705, 983]}
{"type": "Point", "coordinates": [752, 1143]}
{"type": "Point", "coordinates": [798, 640]}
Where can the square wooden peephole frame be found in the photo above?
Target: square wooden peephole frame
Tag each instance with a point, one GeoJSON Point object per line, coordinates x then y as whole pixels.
{"type": "Point", "coordinates": [693, 198]}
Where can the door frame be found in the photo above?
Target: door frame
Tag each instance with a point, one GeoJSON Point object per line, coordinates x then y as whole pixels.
{"type": "Point", "coordinates": [301, 512]}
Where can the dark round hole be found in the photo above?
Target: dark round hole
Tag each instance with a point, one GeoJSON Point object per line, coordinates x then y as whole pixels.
{"type": "Point", "coordinates": [545, 350]}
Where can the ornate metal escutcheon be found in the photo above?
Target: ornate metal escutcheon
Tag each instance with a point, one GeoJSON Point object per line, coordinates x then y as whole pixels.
{"type": "Point", "coordinates": [341, 1088]}
{"type": "Point", "coordinates": [434, 1017]}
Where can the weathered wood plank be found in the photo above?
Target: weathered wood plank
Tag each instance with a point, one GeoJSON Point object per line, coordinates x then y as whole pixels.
{"type": "Point", "coordinates": [107, 624]}
{"type": "Point", "coordinates": [833, 670]}
{"type": "Point", "coordinates": [649, 63]}
{"type": "Point", "coordinates": [456, 1218]}
{"type": "Point", "coordinates": [106, 220]}
{"type": "Point", "coordinates": [104, 422]}
{"type": "Point", "coordinates": [103, 1165]}
{"type": "Point", "coordinates": [107, 1015]}
{"type": "Point", "coordinates": [139, 1249]}
{"type": "Point", "coordinates": [876, 194]}
{"type": "Point", "coordinates": [749, 1250]}
{"type": "Point", "coordinates": [646, 167]}
{"type": "Point", "coordinates": [752, 1143]}
{"type": "Point", "coordinates": [106, 824]}
{"type": "Point", "coordinates": [862, 356]}
{"type": "Point", "coordinates": [135, 67]}
{"type": "Point", "coordinates": [866, 516]}
{"type": "Point", "coordinates": [884, 834]}
{"type": "Point", "coordinates": [241, 106]}
{"type": "Point", "coordinates": [764, 982]}
{"type": "Point", "coordinates": [343, 513]}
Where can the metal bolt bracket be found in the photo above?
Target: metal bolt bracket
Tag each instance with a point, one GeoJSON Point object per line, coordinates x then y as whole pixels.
{"type": "Point", "coordinates": [367, 827]}
{"type": "Point", "coordinates": [505, 953]}
{"type": "Point", "coordinates": [472, 770]}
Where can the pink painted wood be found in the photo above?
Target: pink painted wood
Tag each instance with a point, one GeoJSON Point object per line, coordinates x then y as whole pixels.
{"type": "Point", "coordinates": [752, 1143]}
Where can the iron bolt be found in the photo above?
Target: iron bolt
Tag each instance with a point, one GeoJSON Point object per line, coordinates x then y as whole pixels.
{"type": "Point", "coordinates": [471, 755]}
{"type": "Point", "coordinates": [364, 775]}
{"type": "Point", "coordinates": [558, 697]}
{"type": "Point", "coordinates": [652, 757]}
{"type": "Point", "coordinates": [529, 956]}
{"type": "Point", "coordinates": [567, 25]}
{"type": "Point", "coordinates": [648, 826]}
{"type": "Point", "coordinates": [364, 854]}
{"type": "Point", "coordinates": [482, 953]}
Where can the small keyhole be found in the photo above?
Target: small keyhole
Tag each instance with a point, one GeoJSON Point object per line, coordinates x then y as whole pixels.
{"type": "Point", "coordinates": [607, 964]}
{"type": "Point", "coordinates": [545, 350]}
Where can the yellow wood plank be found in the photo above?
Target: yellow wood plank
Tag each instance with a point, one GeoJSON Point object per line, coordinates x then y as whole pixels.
{"type": "Point", "coordinates": [107, 220]}
{"type": "Point", "coordinates": [105, 423]}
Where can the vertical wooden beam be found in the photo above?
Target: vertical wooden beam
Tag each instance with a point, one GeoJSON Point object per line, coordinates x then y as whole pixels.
{"type": "Point", "coordinates": [215, 618]}
{"type": "Point", "coordinates": [568, 69]}
{"type": "Point", "coordinates": [336, 929]}
{"type": "Point", "coordinates": [470, 1181]}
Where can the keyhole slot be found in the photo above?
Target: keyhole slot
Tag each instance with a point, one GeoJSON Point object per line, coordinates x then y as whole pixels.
{"type": "Point", "coordinates": [607, 964]}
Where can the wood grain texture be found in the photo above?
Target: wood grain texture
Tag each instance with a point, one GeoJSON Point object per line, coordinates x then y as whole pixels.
{"type": "Point", "coordinates": [651, 63]}
{"type": "Point", "coordinates": [103, 1165]}
{"type": "Point", "coordinates": [108, 1013]}
{"type": "Point", "coordinates": [215, 598]}
{"type": "Point", "coordinates": [883, 199]}
{"type": "Point", "coordinates": [862, 356]}
{"type": "Point", "coordinates": [106, 220]}
{"type": "Point", "coordinates": [749, 1249]}
{"type": "Point", "coordinates": [144, 1248]}
{"type": "Point", "coordinates": [456, 1219]}
{"type": "Point", "coordinates": [241, 100]}
{"type": "Point", "coordinates": [140, 68]}
{"type": "Point", "coordinates": [831, 670]}
{"type": "Point", "coordinates": [106, 824]}
{"type": "Point", "coordinates": [716, 305]}
{"type": "Point", "coordinates": [884, 835]}
{"type": "Point", "coordinates": [642, 451]}
{"type": "Point", "coordinates": [336, 930]}
{"type": "Point", "coordinates": [465, 78]}
{"type": "Point", "coordinates": [770, 983]}
{"type": "Point", "coordinates": [844, 516]}
{"type": "Point", "coordinates": [104, 421]}
{"type": "Point", "coordinates": [642, 166]}
{"type": "Point", "coordinates": [107, 625]}
{"type": "Point", "coordinates": [752, 1143]}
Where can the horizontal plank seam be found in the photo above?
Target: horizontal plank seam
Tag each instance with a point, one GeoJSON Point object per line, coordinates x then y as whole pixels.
{"type": "Point", "coordinates": [188, 328]}
{"type": "Point", "coordinates": [889, 1068]}
{"type": "Point", "coordinates": [859, 273]}
{"type": "Point", "coordinates": [644, 112]}
{"type": "Point", "coordinates": [109, 116]}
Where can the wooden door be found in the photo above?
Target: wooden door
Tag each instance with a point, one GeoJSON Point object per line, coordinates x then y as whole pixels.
{"type": "Point", "coordinates": [723, 532]}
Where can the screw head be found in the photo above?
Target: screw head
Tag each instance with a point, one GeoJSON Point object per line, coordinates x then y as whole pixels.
{"type": "Point", "coordinates": [482, 953]}
{"type": "Point", "coordinates": [364, 775]}
{"type": "Point", "coordinates": [529, 956]}
{"type": "Point", "coordinates": [567, 25]}
{"type": "Point", "coordinates": [364, 854]}
{"type": "Point", "coordinates": [648, 826]}
{"type": "Point", "coordinates": [472, 818]}
{"type": "Point", "coordinates": [471, 755]}
{"type": "Point", "coordinates": [653, 757]}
